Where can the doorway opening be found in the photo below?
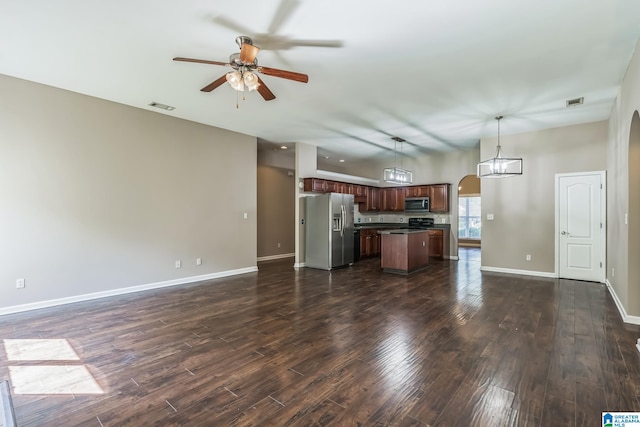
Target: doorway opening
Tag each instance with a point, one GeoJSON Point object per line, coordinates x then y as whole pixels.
{"type": "Point", "coordinates": [469, 215]}
{"type": "Point", "coordinates": [633, 269]}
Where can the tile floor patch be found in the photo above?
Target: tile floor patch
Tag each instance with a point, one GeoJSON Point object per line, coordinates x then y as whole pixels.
{"type": "Point", "coordinates": [39, 349]}
{"type": "Point", "coordinates": [53, 380]}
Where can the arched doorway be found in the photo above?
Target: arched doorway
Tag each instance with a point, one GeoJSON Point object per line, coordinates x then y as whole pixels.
{"type": "Point", "coordinates": [634, 216]}
{"type": "Point", "coordinates": [469, 216]}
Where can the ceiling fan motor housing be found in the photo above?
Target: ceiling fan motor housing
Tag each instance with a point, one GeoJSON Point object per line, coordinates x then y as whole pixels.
{"type": "Point", "coordinates": [240, 40]}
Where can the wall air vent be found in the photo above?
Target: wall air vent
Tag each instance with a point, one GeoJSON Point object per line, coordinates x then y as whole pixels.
{"type": "Point", "coordinates": [575, 102]}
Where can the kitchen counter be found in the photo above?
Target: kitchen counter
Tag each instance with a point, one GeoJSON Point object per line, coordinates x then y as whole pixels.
{"type": "Point", "coordinates": [404, 251]}
{"type": "Point", "coordinates": [402, 231]}
{"type": "Point", "coordinates": [399, 225]}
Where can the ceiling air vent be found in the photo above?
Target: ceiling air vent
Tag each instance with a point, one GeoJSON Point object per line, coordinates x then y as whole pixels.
{"type": "Point", "coordinates": [398, 139]}
{"type": "Point", "coordinates": [575, 101]}
{"type": "Point", "coordinates": [162, 106]}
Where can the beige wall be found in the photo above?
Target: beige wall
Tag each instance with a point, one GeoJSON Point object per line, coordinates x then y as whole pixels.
{"type": "Point", "coordinates": [524, 206]}
{"type": "Point", "coordinates": [98, 196]}
{"type": "Point", "coordinates": [626, 289]}
{"type": "Point", "coordinates": [276, 212]}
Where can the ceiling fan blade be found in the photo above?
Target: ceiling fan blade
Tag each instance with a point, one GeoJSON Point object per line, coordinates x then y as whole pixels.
{"type": "Point", "coordinates": [316, 43]}
{"type": "Point", "coordinates": [265, 91]}
{"type": "Point", "coordinates": [248, 53]}
{"type": "Point", "coordinates": [201, 61]}
{"type": "Point", "coordinates": [299, 77]}
{"type": "Point", "coordinates": [232, 25]}
{"type": "Point", "coordinates": [282, 15]}
{"type": "Point", "coordinates": [211, 86]}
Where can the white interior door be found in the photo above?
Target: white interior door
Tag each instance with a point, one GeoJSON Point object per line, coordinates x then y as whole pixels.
{"type": "Point", "coordinates": [580, 226]}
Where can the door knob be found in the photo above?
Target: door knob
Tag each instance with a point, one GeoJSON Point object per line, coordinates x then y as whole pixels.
{"type": "Point", "coordinates": [564, 233]}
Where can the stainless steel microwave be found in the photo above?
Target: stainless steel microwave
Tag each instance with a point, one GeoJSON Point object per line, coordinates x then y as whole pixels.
{"type": "Point", "coordinates": [416, 204]}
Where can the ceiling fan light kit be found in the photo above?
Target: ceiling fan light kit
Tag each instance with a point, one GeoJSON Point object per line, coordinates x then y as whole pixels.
{"type": "Point", "coordinates": [499, 166]}
{"type": "Point", "coordinates": [245, 66]}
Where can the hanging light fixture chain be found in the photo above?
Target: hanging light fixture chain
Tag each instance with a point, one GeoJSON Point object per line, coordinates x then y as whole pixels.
{"type": "Point", "coordinates": [498, 118]}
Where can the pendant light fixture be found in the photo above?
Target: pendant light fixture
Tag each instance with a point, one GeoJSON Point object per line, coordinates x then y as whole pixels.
{"type": "Point", "coordinates": [397, 175]}
{"type": "Point", "coordinates": [499, 166]}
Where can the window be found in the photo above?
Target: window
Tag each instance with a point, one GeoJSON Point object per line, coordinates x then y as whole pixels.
{"type": "Point", "coordinates": [469, 217]}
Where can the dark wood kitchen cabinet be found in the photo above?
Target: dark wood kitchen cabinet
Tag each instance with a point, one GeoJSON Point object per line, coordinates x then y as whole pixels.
{"type": "Point", "coordinates": [435, 243]}
{"type": "Point", "coordinates": [315, 185]}
{"type": "Point", "coordinates": [439, 198]}
{"type": "Point", "coordinates": [392, 199]}
{"type": "Point", "coordinates": [359, 193]}
{"type": "Point", "coordinates": [388, 199]}
{"type": "Point", "coordinates": [337, 187]}
{"type": "Point", "coordinates": [372, 203]}
{"type": "Point", "coordinates": [369, 242]}
{"type": "Point", "coordinates": [418, 191]}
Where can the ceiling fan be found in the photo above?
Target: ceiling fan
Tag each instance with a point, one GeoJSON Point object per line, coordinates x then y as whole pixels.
{"type": "Point", "coordinates": [245, 65]}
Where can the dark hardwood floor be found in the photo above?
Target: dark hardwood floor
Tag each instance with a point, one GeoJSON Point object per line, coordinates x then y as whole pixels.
{"type": "Point", "coordinates": [448, 346]}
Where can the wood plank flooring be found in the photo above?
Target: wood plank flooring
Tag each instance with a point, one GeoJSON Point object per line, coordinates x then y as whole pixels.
{"type": "Point", "coordinates": [448, 346]}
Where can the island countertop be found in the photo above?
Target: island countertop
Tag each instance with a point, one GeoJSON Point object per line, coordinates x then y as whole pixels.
{"type": "Point", "coordinates": [403, 231]}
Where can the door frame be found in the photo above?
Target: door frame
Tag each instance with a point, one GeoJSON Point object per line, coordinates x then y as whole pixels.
{"type": "Point", "coordinates": [603, 217]}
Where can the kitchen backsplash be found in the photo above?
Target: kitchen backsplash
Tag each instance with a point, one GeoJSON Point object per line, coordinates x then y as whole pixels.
{"type": "Point", "coordinates": [361, 218]}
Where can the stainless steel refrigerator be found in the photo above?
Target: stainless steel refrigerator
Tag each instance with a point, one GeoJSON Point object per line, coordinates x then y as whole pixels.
{"type": "Point", "coordinates": [329, 231]}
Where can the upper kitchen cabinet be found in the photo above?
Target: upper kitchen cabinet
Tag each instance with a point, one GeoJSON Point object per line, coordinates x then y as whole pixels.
{"type": "Point", "coordinates": [392, 199]}
{"type": "Point", "coordinates": [359, 192]}
{"type": "Point", "coordinates": [372, 203]}
{"type": "Point", "coordinates": [315, 185]}
{"type": "Point", "coordinates": [389, 199]}
{"type": "Point", "coordinates": [417, 191]}
{"type": "Point", "coordinates": [337, 187]}
{"type": "Point", "coordinates": [439, 198]}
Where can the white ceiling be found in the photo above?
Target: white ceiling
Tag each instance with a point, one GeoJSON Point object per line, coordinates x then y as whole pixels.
{"type": "Point", "coordinates": [433, 73]}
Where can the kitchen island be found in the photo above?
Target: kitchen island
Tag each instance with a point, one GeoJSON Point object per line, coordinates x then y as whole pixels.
{"type": "Point", "coordinates": [404, 251]}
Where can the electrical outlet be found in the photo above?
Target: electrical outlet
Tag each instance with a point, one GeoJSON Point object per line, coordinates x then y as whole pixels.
{"type": "Point", "coordinates": [245, 215]}
{"type": "Point", "coordinates": [489, 217]}
{"type": "Point", "coordinates": [443, 221]}
{"type": "Point", "coordinates": [278, 244]}
{"type": "Point", "coordinates": [198, 261]}
{"type": "Point", "coordinates": [613, 272]}
{"type": "Point", "coordinates": [528, 257]}
{"type": "Point", "coordinates": [20, 283]}
{"type": "Point", "coordinates": [178, 264]}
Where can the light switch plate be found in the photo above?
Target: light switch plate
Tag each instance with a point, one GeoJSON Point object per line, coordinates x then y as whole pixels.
{"type": "Point", "coordinates": [489, 217]}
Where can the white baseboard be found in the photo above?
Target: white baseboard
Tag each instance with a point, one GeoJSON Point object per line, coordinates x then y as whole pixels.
{"type": "Point", "coordinates": [122, 291]}
{"type": "Point", "coordinates": [299, 265]}
{"type": "Point", "coordinates": [634, 320]}
{"type": "Point", "coordinates": [272, 257]}
{"type": "Point", "coordinates": [452, 257]}
{"type": "Point", "coordinates": [521, 272]}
